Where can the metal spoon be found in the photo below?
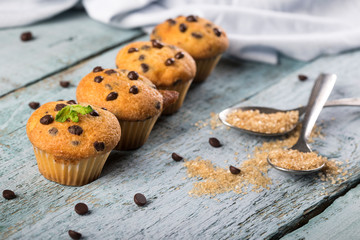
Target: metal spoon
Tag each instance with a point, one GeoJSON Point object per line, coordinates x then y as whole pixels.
{"type": "Point", "coordinates": [319, 94]}
{"type": "Point", "coordinates": [334, 103]}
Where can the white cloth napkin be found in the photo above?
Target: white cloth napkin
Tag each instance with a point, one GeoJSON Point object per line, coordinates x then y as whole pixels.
{"type": "Point", "coordinates": [258, 29]}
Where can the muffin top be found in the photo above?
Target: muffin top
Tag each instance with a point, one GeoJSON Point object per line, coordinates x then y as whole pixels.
{"type": "Point", "coordinates": [95, 132]}
{"type": "Point", "coordinates": [198, 36]}
{"type": "Point", "coordinates": [127, 94]}
{"type": "Point", "coordinates": [163, 64]}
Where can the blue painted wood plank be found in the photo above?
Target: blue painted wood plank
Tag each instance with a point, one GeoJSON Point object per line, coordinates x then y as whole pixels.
{"type": "Point", "coordinates": [57, 44]}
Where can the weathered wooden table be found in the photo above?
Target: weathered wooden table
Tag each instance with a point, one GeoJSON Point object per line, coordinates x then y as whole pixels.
{"type": "Point", "coordinates": [68, 46]}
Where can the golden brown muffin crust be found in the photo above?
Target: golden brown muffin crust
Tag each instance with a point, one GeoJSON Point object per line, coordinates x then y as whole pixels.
{"type": "Point", "coordinates": [163, 64]}
{"type": "Point", "coordinates": [73, 140]}
{"type": "Point", "coordinates": [198, 36]}
{"type": "Point", "coordinates": [127, 94]}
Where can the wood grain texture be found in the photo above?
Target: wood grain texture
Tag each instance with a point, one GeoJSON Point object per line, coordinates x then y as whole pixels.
{"type": "Point", "coordinates": [57, 44]}
{"type": "Point", "coordinates": [44, 209]}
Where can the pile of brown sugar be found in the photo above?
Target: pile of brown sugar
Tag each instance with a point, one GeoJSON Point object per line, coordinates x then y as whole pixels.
{"type": "Point", "coordinates": [255, 121]}
{"type": "Point", "coordinates": [254, 171]}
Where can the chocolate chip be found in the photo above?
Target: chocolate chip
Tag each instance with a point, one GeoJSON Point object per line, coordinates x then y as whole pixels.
{"type": "Point", "coordinates": [111, 71]}
{"type": "Point", "coordinates": [34, 105]}
{"type": "Point", "coordinates": [144, 67]}
{"type": "Point", "coordinates": [171, 21]}
{"type": "Point", "coordinates": [217, 32]}
{"type": "Point", "coordinates": [60, 100]}
{"type": "Point", "coordinates": [108, 86]}
{"type": "Point", "coordinates": [196, 35]}
{"type": "Point", "coordinates": [178, 81]}
{"type": "Point", "coordinates": [141, 57]}
{"type": "Point", "coordinates": [234, 170]}
{"type": "Point", "coordinates": [191, 18]}
{"type": "Point", "coordinates": [131, 50]}
{"type": "Point", "coordinates": [140, 199]}
{"type": "Point", "coordinates": [81, 208]}
{"type": "Point", "coordinates": [179, 55]}
{"type": "Point", "coordinates": [169, 61]}
{"type": "Point", "coordinates": [98, 69]}
{"type": "Point", "coordinates": [158, 105]}
{"type": "Point", "coordinates": [75, 143]}
{"type": "Point", "coordinates": [64, 84]}
{"type": "Point", "coordinates": [98, 79]}
{"type": "Point", "coordinates": [53, 131]}
{"type": "Point", "coordinates": [94, 113]}
{"type": "Point", "coordinates": [99, 146]}
{"type": "Point", "coordinates": [208, 25]}
{"type": "Point", "coordinates": [104, 109]}
{"type": "Point", "coordinates": [71, 102]}
{"type": "Point", "coordinates": [132, 75]}
{"type": "Point", "coordinates": [214, 142]}
{"type": "Point", "coordinates": [157, 44]}
{"type": "Point", "coordinates": [8, 194]}
{"type": "Point", "coordinates": [75, 129]}
{"type": "Point", "coordinates": [74, 235]}
{"type": "Point", "coordinates": [134, 90]}
{"type": "Point", "coordinates": [302, 77]}
{"type": "Point", "coordinates": [176, 157]}
{"type": "Point", "coordinates": [59, 106]}
{"type": "Point", "coordinates": [145, 47]}
{"type": "Point", "coordinates": [46, 120]}
{"type": "Point", "coordinates": [111, 96]}
{"type": "Point", "coordinates": [182, 27]}
{"type": "Point", "coordinates": [26, 36]}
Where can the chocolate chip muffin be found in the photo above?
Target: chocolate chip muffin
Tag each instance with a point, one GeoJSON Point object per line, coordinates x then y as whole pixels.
{"type": "Point", "coordinates": [72, 142]}
{"type": "Point", "coordinates": [167, 66]}
{"type": "Point", "coordinates": [133, 99]}
{"type": "Point", "coordinates": [202, 39]}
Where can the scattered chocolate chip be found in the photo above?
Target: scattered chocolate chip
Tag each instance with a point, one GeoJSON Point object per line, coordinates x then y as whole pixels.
{"type": "Point", "coordinates": [34, 105]}
{"type": "Point", "coordinates": [64, 84]}
{"type": "Point", "coordinates": [94, 113]}
{"type": "Point", "coordinates": [26, 36]}
{"type": "Point", "coordinates": [217, 32]}
{"type": "Point", "coordinates": [191, 18]}
{"type": "Point", "coordinates": [98, 79]}
{"type": "Point", "coordinates": [214, 142]}
{"type": "Point", "coordinates": [71, 102]}
{"type": "Point", "coordinates": [108, 87]}
{"type": "Point", "coordinates": [75, 129]}
{"type": "Point", "coordinates": [59, 106]}
{"type": "Point", "coordinates": [74, 235]}
{"type": "Point", "coordinates": [8, 194]}
{"type": "Point", "coordinates": [134, 90]}
{"type": "Point", "coordinates": [75, 143]}
{"type": "Point", "coordinates": [302, 77]}
{"type": "Point", "coordinates": [182, 27]}
{"type": "Point", "coordinates": [111, 71]}
{"type": "Point", "coordinates": [196, 35]}
{"type": "Point", "coordinates": [132, 75]}
{"type": "Point", "coordinates": [131, 50]}
{"type": "Point", "coordinates": [169, 61]}
{"type": "Point", "coordinates": [171, 21]}
{"type": "Point", "coordinates": [111, 96]}
{"type": "Point", "coordinates": [140, 199]}
{"type": "Point", "coordinates": [234, 170]}
{"type": "Point", "coordinates": [176, 157]}
{"type": "Point", "coordinates": [98, 69]}
{"type": "Point", "coordinates": [53, 131]}
{"type": "Point", "coordinates": [158, 105]}
{"type": "Point", "coordinates": [99, 146]}
{"type": "Point", "coordinates": [157, 44]}
{"type": "Point", "coordinates": [144, 67]}
{"type": "Point", "coordinates": [141, 57]}
{"type": "Point", "coordinates": [60, 100]}
{"type": "Point", "coordinates": [145, 47]}
{"type": "Point", "coordinates": [81, 208]}
{"type": "Point", "coordinates": [179, 55]}
{"type": "Point", "coordinates": [46, 120]}
{"type": "Point", "coordinates": [178, 81]}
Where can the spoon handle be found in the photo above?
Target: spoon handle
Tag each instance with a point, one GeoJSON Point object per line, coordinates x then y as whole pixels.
{"type": "Point", "coordinates": [343, 102]}
{"type": "Point", "coordinates": [319, 94]}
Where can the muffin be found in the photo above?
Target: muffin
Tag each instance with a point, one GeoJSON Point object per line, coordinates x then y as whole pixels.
{"type": "Point", "coordinates": [132, 98]}
{"type": "Point", "coordinates": [202, 39]}
{"type": "Point", "coordinates": [167, 66]}
{"type": "Point", "coordinates": [72, 142]}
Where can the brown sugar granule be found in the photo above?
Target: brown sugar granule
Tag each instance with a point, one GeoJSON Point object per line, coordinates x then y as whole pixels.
{"type": "Point", "coordinates": [255, 121]}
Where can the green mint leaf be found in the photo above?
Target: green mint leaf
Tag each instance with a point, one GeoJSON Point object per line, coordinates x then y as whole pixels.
{"type": "Point", "coordinates": [81, 109]}
{"type": "Point", "coordinates": [74, 116]}
{"type": "Point", "coordinates": [72, 111]}
{"type": "Point", "coordinates": [62, 115]}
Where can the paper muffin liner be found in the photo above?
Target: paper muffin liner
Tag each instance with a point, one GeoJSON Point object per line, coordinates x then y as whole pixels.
{"type": "Point", "coordinates": [135, 133]}
{"type": "Point", "coordinates": [182, 88]}
{"type": "Point", "coordinates": [72, 173]}
{"type": "Point", "coordinates": [204, 67]}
